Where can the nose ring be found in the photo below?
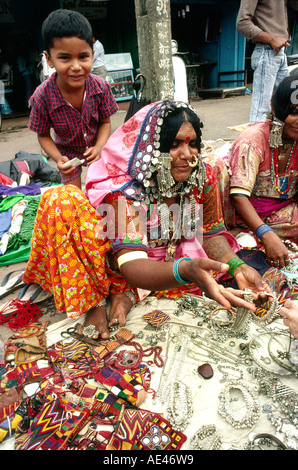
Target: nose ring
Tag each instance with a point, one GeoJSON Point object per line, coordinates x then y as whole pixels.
{"type": "Point", "coordinates": [194, 161]}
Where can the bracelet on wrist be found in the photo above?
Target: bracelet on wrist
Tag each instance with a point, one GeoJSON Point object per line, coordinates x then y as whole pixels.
{"type": "Point", "coordinates": [176, 270]}
{"type": "Point", "coordinates": [234, 263]}
{"type": "Point", "coordinates": [263, 229]}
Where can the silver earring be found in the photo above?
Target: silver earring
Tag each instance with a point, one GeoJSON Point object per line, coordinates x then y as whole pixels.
{"type": "Point", "coordinates": [275, 136]}
{"type": "Point", "coordinates": [164, 176]}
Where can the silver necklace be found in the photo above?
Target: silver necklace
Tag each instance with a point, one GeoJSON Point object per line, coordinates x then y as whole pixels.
{"type": "Point", "coordinates": [172, 366]}
{"type": "Point", "coordinates": [206, 438]}
{"type": "Point", "coordinates": [252, 404]}
{"type": "Point", "coordinates": [179, 409]}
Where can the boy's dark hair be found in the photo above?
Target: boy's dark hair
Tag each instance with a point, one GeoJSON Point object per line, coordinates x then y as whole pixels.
{"type": "Point", "coordinates": [65, 23]}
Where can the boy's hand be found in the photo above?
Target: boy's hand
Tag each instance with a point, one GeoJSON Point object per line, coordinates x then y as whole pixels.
{"type": "Point", "coordinates": [65, 167]}
{"type": "Point", "coordinates": [92, 154]}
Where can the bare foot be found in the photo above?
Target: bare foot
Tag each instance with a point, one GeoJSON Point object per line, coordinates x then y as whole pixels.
{"type": "Point", "coordinates": [97, 316]}
{"type": "Point", "coordinates": [121, 304]}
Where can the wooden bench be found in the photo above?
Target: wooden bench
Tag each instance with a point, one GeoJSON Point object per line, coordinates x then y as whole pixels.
{"type": "Point", "coordinates": [238, 77]}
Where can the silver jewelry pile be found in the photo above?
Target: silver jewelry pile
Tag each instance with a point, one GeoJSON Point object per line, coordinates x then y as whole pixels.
{"type": "Point", "coordinates": [180, 407]}
{"type": "Point", "coordinates": [206, 438]}
{"type": "Point", "coordinates": [252, 405]}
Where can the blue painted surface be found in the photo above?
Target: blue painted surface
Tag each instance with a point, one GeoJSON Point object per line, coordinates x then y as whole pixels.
{"type": "Point", "coordinates": [227, 47]}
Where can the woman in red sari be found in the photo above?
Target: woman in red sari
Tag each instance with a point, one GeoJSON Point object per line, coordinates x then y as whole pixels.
{"type": "Point", "coordinates": [264, 166]}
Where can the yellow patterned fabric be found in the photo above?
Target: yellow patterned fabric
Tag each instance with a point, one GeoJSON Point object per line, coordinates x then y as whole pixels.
{"type": "Point", "coordinates": [67, 258]}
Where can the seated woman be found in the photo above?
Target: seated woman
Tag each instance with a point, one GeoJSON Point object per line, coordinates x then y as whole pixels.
{"type": "Point", "coordinates": [264, 166]}
{"type": "Point", "coordinates": [84, 252]}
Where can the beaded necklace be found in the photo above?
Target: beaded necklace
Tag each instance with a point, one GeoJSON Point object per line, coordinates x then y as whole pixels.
{"type": "Point", "coordinates": [289, 168]}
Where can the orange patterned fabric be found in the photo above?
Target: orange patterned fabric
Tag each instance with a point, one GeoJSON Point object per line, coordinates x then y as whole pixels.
{"type": "Point", "coordinates": [66, 257]}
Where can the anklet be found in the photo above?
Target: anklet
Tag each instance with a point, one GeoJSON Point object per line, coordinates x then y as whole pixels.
{"type": "Point", "coordinates": [252, 404]}
{"type": "Point", "coordinates": [130, 294]}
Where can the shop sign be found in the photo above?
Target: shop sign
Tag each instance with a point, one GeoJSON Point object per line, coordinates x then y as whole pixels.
{"type": "Point", "coordinates": [6, 12]}
{"type": "Point", "coordinates": [92, 9]}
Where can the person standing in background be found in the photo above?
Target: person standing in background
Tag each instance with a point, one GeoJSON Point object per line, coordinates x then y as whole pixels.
{"type": "Point", "coordinates": [25, 72]}
{"type": "Point", "coordinates": [47, 71]}
{"type": "Point", "coordinates": [99, 67]}
{"type": "Point", "coordinates": [265, 22]}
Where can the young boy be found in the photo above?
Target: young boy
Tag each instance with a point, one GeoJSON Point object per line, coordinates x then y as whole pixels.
{"type": "Point", "coordinates": [75, 103]}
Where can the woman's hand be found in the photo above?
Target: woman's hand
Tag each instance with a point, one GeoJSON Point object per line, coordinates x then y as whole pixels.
{"type": "Point", "coordinates": [276, 251]}
{"type": "Point", "coordinates": [289, 312]}
{"type": "Point", "coordinates": [248, 278]}
{"type": "Point", "coordinates": [200, 271]}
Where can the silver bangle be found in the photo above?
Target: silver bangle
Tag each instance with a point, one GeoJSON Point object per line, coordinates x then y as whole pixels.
{"type": "Point", "coordinates": [101, 303]}
{"type": "Point", "coordinates": [130, 294]}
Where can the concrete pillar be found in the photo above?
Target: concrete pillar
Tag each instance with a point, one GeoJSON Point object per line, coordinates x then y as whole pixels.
{"type": "Point", "coordinates": [153, 19]}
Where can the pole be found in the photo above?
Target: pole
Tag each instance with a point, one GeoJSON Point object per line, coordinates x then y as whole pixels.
{"type": "Point", "coordinates": [153, 19]}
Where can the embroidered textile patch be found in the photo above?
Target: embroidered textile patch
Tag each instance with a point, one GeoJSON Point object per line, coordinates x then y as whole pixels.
{"type": "Point", "coordinates": [159, 435]}
{"type": "Point", "coordinates": [132, 423]}
{"type": "Point", "coordinates": [53, 426]}
{"type": "Point", "coordinates": [128, 359]}
{"type": "Point", "coordinates": [119, 383]}
{"type": "Point", "coordinates": [156, 318]}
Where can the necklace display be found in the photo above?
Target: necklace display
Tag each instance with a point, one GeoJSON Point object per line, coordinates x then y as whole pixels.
{"type": "Point", "coordinates": [216, 353]}
{"type": "Point", "coordinates": [206, 438]}
{"type": "Point", "coordinates": [239, 399]}
{"type": "Point", "coordinates": [173, 364]}
{"type": "Point", "coordinates": [252, 405]}
{"type": "Point", "coordinates": [225, 324]}
{"type": "Point", "coordinates": [172, 391]}
{"type": "Point", "coordinates": [263, 356]}
{"type": "Point", "coordinates": [283, 413]}
{"type": "Point", "coordinates": [179, 409]}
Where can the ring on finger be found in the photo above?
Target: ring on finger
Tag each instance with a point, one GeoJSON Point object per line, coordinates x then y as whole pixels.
{"type": "Point", "coordinates": [89, 331]}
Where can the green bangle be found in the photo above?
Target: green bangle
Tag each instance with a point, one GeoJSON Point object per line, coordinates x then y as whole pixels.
{"type": "Point", "coordinates": [234, 263]}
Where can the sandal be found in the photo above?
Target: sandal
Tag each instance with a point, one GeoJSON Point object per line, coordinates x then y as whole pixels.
{"type": "Point", "coordinates": [35, 293]}
{"type": "Point", "coordinates": [29, 350]}
{"type": "Point", "coordinates": [10, 284]}
{"type": "Point", "coordinates": [22, 356]}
